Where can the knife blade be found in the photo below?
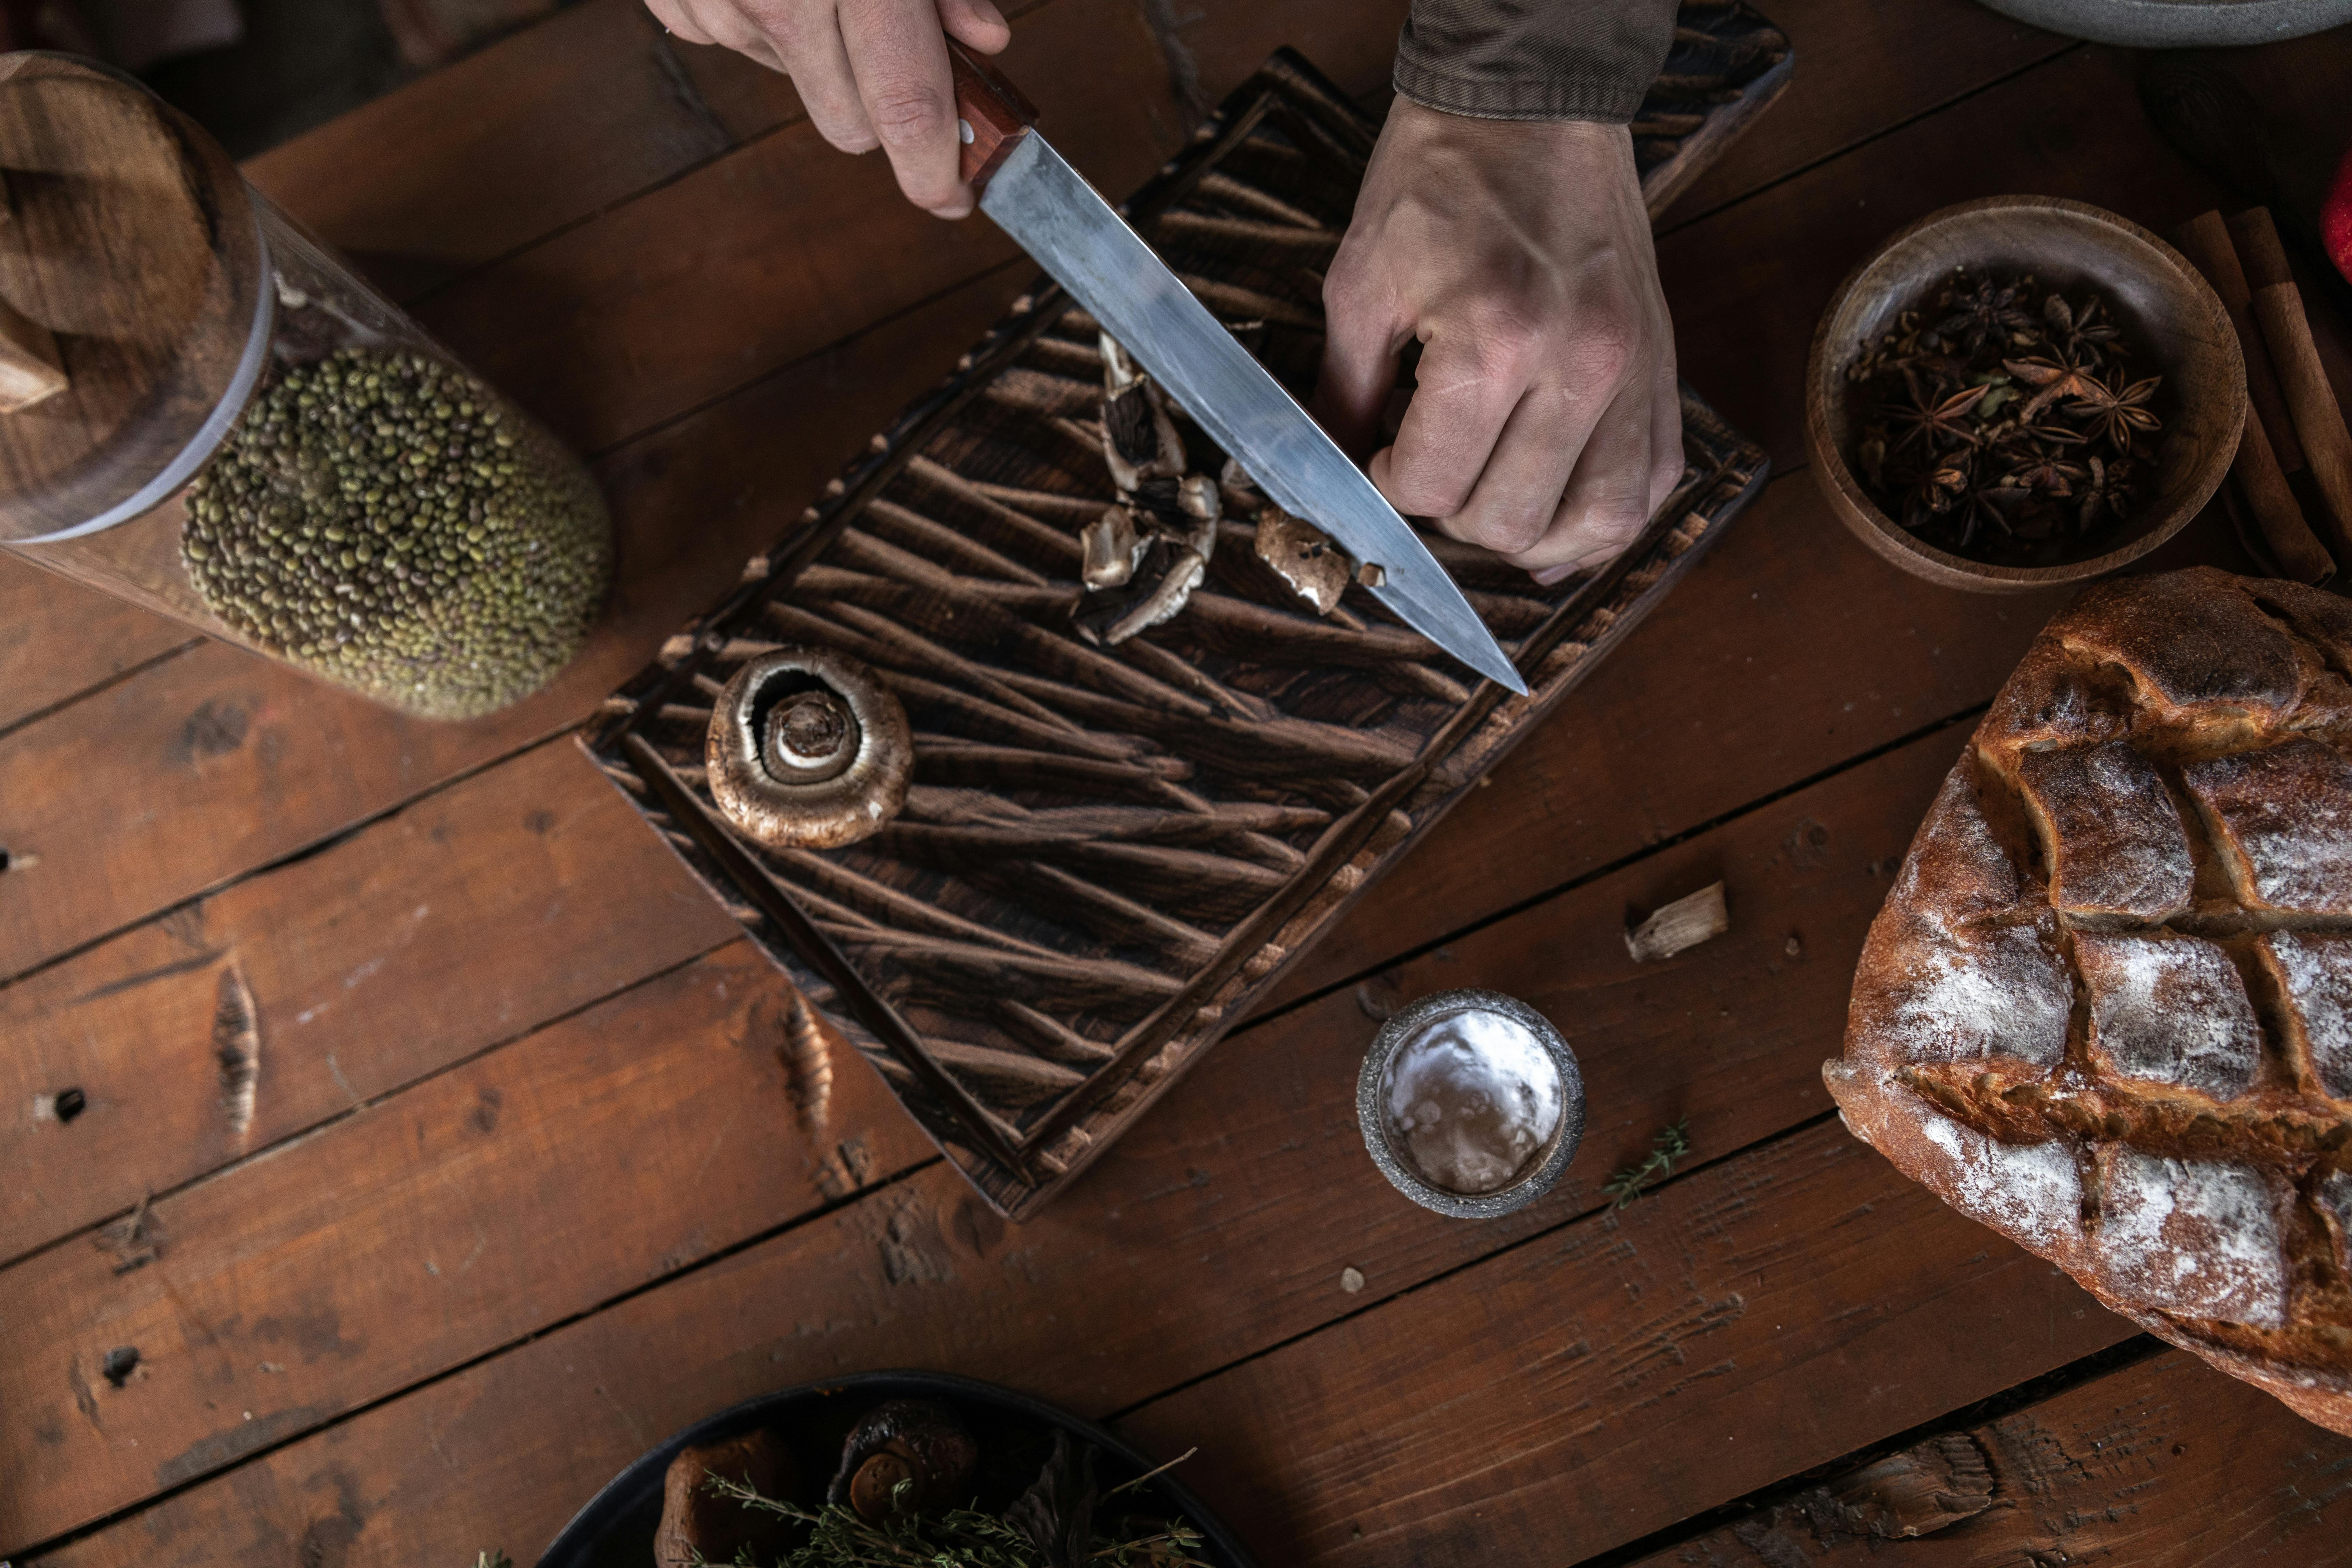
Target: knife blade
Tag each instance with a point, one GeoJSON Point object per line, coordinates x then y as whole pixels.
{"type": "Point", "coordinates": [1034, 196]}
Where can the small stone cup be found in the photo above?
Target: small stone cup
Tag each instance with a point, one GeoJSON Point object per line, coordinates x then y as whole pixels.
{"type": "Point", "coordinates": [1453, 1098]}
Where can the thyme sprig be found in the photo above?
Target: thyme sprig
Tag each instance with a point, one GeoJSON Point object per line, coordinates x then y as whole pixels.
{"type": "Point", "coordinates": [1670, 1145]}
{"type": "Point", "coordinates": [962, 1538]}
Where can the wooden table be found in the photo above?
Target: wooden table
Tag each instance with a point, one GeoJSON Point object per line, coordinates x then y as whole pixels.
{"type": "Point", "coordinates": [525, 1188]}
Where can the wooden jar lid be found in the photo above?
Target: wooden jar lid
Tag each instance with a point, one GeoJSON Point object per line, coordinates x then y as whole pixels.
{"type": "Point", "coordinates": [130, 262]}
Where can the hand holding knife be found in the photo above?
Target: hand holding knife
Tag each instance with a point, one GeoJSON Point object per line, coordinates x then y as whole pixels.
{"type": "Point", "coordinates": [1038, 199]}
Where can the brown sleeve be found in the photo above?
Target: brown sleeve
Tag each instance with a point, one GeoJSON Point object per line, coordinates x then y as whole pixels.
{"type": "Point", "coordinates": [1533, 60]}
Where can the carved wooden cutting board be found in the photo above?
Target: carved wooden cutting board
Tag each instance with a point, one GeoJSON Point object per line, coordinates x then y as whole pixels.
{"type": "Point", "coordinates": [1109, 853]}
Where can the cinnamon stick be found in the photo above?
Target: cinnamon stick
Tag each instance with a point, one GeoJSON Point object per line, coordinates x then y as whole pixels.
{"type": "Point", "coordinates": [2261, 476]}
{"type": "Point", "coordinates": [2208, 242]}
{"type": "Point", "coordinates": [2292, 546]}
{"type": "Point", "coordinates": [2318, 418]}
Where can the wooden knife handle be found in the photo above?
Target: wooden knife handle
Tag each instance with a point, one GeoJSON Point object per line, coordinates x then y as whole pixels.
{"type": "Point", "coordinates": [994, 113]}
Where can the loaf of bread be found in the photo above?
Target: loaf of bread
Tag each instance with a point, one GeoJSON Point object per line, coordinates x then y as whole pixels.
{"type": "Point", "coordinates": [2107, 1007]}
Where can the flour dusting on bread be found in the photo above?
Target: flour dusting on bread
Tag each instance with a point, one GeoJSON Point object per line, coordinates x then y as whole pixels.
{"type": "Point", "coordinates": [2317, 972]}
{"type": "Point", "coordinates": [2171, 1010]}
{"type": "Point", "coordinates": [2029, 1190]}
{"type": "Point", "coordinates": [2107, 1007]}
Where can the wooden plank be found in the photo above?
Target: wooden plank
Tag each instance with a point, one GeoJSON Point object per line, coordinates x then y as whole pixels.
{"type": "Point", "coordinates": [483, 156]}
{"type": "Point", "coordinates": [1862, 69]}
{"type": "Point", "coordinates": [65, 912]}
{"type": "Point", "coordinates": [578, 113]}
{"type": "Point", "coordinates": [1748, 285]}
{"type": "Point", "coordinates": [1761, 1317]}
{"type": "Point", "coordinates": [1788, 649]}
{"type": "Point", "coordinates": [511, 1192]}
{"type": "Point", "coordinates": [1636, 760]}
{"type": "Point", "coordinates": [1181, 1254]}
{"type": "Point", "coordinates": [701, 286]}
{"type": "Point", "coordinates": [59, 639]}
{"type": "Point", "coordinates": [1741, 684]}
{"type": "Point", "coordinates": [2164, 1464]}
{"type": "Point", "coordinates": [258, 763]}
{"type": "Point", "coordinates": [471, 917]}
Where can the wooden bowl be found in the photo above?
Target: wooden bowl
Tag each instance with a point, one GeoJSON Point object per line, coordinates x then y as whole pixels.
{"type": "Point", "coordinates": [2146, 285]}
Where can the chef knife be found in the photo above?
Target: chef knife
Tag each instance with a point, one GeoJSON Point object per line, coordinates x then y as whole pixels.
{"type": "Point", "coordinates": [1057, 217]}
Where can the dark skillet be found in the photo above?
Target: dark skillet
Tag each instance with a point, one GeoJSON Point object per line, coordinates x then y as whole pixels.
{"type": "Point", "coordinates": [1015, 1433]}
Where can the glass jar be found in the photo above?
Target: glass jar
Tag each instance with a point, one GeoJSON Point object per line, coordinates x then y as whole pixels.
{"type": "Point", "coordinates": [218, 419]}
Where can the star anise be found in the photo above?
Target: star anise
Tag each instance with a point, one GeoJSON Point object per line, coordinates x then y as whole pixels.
{"type": "Point", "coordinates": [2108, 494]}
{"type": "Point", "coordinates": [2120, 414]}
{"type": "Point", "coordinates": [1983, 311]}
{"type": "Point", "coordinates": [2082, 331]}
{"type": "Point", "coordinates": [2014, 460]}
{"type": "Point", "coordinates": [2048, 476]}
{"type": "Point", "coordinates": [2069, 375]}
{"type": "Point", "coordinates": [1989, 504]}
{"type": "Point", "coordinates": [1939, 422]}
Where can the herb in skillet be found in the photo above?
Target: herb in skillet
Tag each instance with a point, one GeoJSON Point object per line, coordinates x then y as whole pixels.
{"type": "Point", "coordinates": [1051, 1525]}
{"type": "Point", "coordinates": [2001, 421]}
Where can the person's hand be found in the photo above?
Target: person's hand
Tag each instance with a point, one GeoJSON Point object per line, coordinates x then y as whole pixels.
{"type": "Point", "coordinates": [1545, 423]}
{"type": "Point", "coordinates": [872, 73]}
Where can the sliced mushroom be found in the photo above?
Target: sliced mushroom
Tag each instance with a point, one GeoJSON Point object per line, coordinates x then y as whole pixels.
{"type": "Point", "coordinates": [1306, 557]}
{"type": "Point", "coordinates": [1196, 494]}
{"type": "Point", "coordinates": [808, 750]}
{"type": "Point", "coordinates": [699, 1526]}
{"type": "Point", "coordinates": [1141, 441]}
{"type": "Point", "coordinates": [1119, 370]}
{"type": "Point", "coordinates": [912, 1443]}
{"type": "Point", "coordinates": [1163, 580]}
{"type": "Point", "coordinates": [1113, 549]}
{"type": "Point", "coordinates": [1185, 510]}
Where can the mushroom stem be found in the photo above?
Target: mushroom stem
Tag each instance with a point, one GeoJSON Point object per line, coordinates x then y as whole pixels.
{"type": "Point", "coordinates": [808, 750]}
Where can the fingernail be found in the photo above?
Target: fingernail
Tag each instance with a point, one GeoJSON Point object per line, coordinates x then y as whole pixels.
{"type": "Point", "coordinates": [1551, 575]}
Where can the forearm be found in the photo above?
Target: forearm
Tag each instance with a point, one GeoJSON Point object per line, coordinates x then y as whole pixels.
{"type": "Point", "coordinates": [1533, 60]}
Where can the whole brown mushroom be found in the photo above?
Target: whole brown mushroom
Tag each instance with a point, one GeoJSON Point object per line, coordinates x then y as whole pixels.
{"type": "Point", "coordinates": [808, 750]}
{"type": "Point", "coordinates": [913, 1443]}
{"type": "Point", "coordinates": [698, 1525]}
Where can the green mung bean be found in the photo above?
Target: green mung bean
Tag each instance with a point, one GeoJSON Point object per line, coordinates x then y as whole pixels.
{"type": "Point", "coordinates": [386, 521]}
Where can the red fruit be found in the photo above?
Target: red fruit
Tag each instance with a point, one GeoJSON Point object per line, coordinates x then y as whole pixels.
{"type": "Point", "coordinates": [2335, 218]}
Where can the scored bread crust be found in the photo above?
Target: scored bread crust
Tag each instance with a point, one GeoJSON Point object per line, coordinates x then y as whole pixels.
{"type": "Point", "coordinates": [2107, 1007]}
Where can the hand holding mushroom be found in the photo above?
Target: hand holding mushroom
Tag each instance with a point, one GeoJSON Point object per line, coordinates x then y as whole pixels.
{"type": "Point", "coordinates": [1546, 422]}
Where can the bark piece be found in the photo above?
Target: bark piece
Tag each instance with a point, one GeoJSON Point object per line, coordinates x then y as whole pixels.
{"type": "Point", "coordinates": [1680, 926]}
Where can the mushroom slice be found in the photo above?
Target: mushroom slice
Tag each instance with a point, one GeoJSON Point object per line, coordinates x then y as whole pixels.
{"type": "Point", "coordinates": [1316, 569]}
{"type": "Point", "coordinates": [1162, 582]}
{"type": "Point", "coordinates": [1113, 549]}
{"type": "Point", "coordinates": [1141, 441]}
{"type": "Point", "coordinates": [1119, 370]}
{"type": "Point", "coordinates": [699, 1525]}
{"type": "Point", "coordinates": [1186, 510]}
{"type": "Point", "coordinates": [808, 750]}
{"type": "Point", "coordinates": [1196, 494]}
{"type": "Point", "coordinates": [912, 1443]}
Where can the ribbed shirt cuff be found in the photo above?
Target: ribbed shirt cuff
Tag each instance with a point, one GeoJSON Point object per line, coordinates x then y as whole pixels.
{"type": "Point", "coordinates": [1576, 94]}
